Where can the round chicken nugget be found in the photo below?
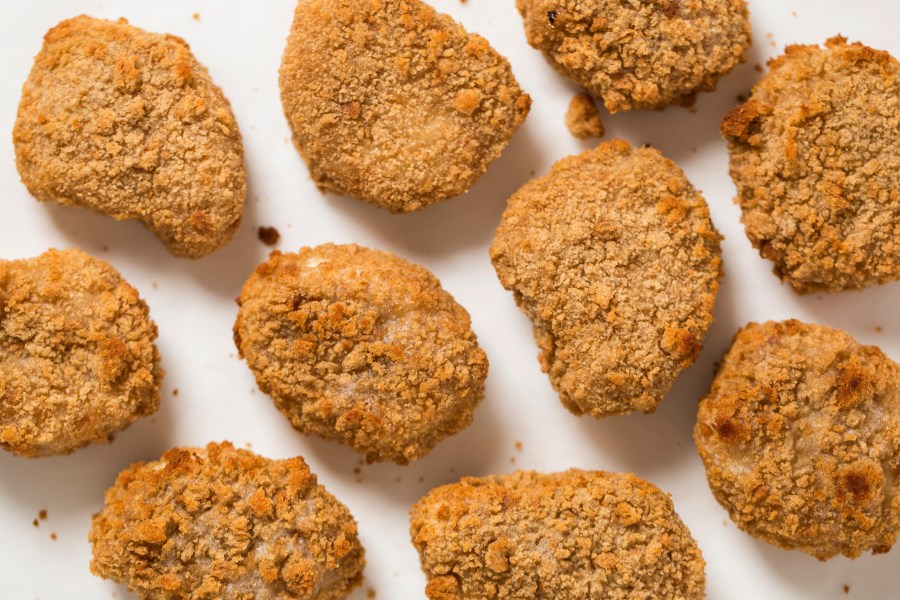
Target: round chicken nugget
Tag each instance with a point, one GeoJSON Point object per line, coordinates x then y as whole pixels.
{"type": "Point", "coordinates": [225, 523]}
{"type": "Point", "coordinates": [800, 435]}
{"type": "Point", "coordinates": [361, 346]}
{"type": "Point", "coordinates": [574, 535]}
{"type": "Point", "coordinates": [613, 257]}
{"type": "Point", "coordinates": [815, 156]}
{"type": "Point", "coordinates": [646, 54]}
{"type": "Point", "coordinates": [129, 124]}
{"type": "Point", "coordinates": [77, 359]}
{"type": "Point", "coordinates": [394, 103]}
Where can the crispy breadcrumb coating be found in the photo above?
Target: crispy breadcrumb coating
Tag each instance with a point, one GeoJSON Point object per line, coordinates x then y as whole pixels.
{"type": "Point", "coordinates": [815, 155]}
{"type": "Point", "coordinates": [574, 535]}
{"type": "Point", "coordinates": [800, 435]}
{"type": "Point", "coordinates": [583, 118]}
{"type": "Point", "coordinates": [613, 257]}
{"type": "Point", "coordinates": [77, 358]}
{"type": "Point", "coordinates": [361, 346]}
{"type": "Point", "coordinates": [646, 54]}
{"type": "Point", "coordinates": [129, 124]}
{"type": "Point", "coordinates": [222, 523]}
{"type": "Point", "coordinates": [394, 103]}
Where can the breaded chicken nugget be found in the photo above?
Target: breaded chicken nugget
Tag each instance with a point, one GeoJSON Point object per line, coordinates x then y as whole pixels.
{"type": "Point", "coordinates": [224, 523]}
{"type": "Point", "coordinates": [77, 358]}
{"type": "Point", "coordinates": [361, 346]}
{"type": "Point", "coordinates": [576, 535]}
{"type": "Point", "coordinates": [800, 435]}
{"type": "Point", "coordinates": [815, 155]}
{"type": "Point", "coordinates": [129, 124]}
{"type": "Point", "coordinates": [613, 257]}
{"type": "Point", "coordinates": [394, 103]}
{"type": "Point", "coordinates": [646, 54]}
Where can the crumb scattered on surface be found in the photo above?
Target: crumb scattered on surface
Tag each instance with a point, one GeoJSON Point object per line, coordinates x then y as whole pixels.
{"type": "Point", "coordinates": [846, 589]}
{"type": "Point", "coordinates": [370, 593]}
{"type": "Point", "coordinates": [518, 446]}
{"type": "Point", "coordinates": [35, 523]}
{"type": "Point", "coordinates": [175, 392]}
{"type": "Point", "coordinates": [268, 235]}
{"type": "Point", "coordinates": [583, 118]}
{"type": "Point", "coordinates": [53, 536]}
{"type": "Point", "coordinates": [878, 328]}
{"type": "Point", "coordinates": [42, 515]}
{"type": "Point", "coordinates": [196, 16]}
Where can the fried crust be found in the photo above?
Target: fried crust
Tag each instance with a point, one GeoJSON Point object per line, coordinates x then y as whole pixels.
{"type": "Point", "coordinates": [815, 156]}
{"type": "Point", "coordinates": [575, 535]}
{"type": "Point", "coordinates": [639, 55]}
{"type": "Point", "coordinates": [129, 124]}
{"type": "Point", "coordinates": [225, 523]}
{"type": "Point", "coordinates": [614, 258]}
{"type": "Point", "coordinates": [800, 436]}
{"type": "Point", "coordinates": [583, 118]}
{"type": "Point", "coordinates": [77, 358]}
{"type": "Point", "coordinates": [361, 346]}
{"type": "Point", "coordinates": [394, 103]}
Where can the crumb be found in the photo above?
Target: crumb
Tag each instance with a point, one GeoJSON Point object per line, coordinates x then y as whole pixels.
{"type": "Point", "coordinates": [725, 522]}
{"type": "Point", "coordinates": [878, 329]}
{"type": "Point", "coordinates": [35, 523]}
{"type": "Point", "coordinates": [512, 460]}
{"type": "Point", "coordinates": [846, 589]}
{"type": "Point", "coordinates": [421, 479]}
{"type": "Point", "coordinates": [583, 118]}
{"type": "Point", "coordinates": [248, 445]}
{"type": "Point", "coordinates": [43, 515]}
{"type": "Point", "coordinates": [357, 470]}
{"type": "Point", "coordinates": [397, 479]}
{"type": "Point", "coordinates": [196, 16]}
{"type": "Point", "coordinates": [770, 36]}
{"type": "Point", "coordinates": [105, 248]}
{"type": "Point", "coordinates": [153, 285]}
{"type": "Point", "coordinates": [518, 446]}
{"type": "Point", "coordinates": [692, 110]}
{"type": "Point", "coordinates": [53, 536]}
{"type": "Point", "coordinates": [175, 392]}
{"type": "Point", "coordinates": [268, 235]}
{"type": "Point", "coordinates": [793, 13]}
{"type": "Point", "coordinates": [758, 68]}
{"type": "Point", "coordinates": [370, 593]}
{"type": "Point", "coordinates": [741, 98]}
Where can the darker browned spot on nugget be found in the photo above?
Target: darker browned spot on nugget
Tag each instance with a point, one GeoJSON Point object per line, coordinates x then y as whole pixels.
{"type": "Point", "coordinates": [671, 8]}
{"type": "Point", "coordinates": [741, 121]}
{"type": "Point", "coordinates": [854, 385]}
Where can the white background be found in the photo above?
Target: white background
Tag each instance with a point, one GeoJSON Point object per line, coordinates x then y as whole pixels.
{"type": "Point", "coordinates": [193, 304]}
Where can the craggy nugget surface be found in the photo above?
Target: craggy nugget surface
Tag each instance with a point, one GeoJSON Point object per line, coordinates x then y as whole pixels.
{"type": "Point", "coordinates": [800, 435]}
{"type": "Point", "coordinates": [613, 257]}
{"type": "Point", "coordinates": [640, 53]}
{"type": "Point", "coordinates": [815, 156]}
{"type": "Point", "coordinates": [394, 103]}
{"type": "Point", "coordinates": [77, 359]}
{"type": "Point", "coordinates": [361, 346]}
{"type": "Point", "coordinates": [129, 124]}
{"type": "Point", "coordinates": [224, 523]}
{"type": "Point", "coordinates": [574, 535]}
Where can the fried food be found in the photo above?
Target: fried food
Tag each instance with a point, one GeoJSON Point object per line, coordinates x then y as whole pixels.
{"type": "Point", "coordinates": [647, 54]}
{"type": "Point", "coordinates": [815, 156]}
{"type": "Point", "coordinates": [77, 358]}
{"type": "Point", "coordinates": [800, 435]}
{"type": "Point", "coordinates": [361, 346]}
{"type": "Point", "coordinates": [613, 257]}
{"type": "Point", "coordinates": [225, 523]}
{"type": "Point", "coordinates": [394, 103]}
{"type": "Point", "coordinates": [574, 535]}
{"type": "Point", "coordinates": [129, 124]}
{"type": "Point", "coordinates": [583, 118]}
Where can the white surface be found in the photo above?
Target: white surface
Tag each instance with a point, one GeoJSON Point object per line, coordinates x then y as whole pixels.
{"type": "Point", "coordinates": [193, 304]}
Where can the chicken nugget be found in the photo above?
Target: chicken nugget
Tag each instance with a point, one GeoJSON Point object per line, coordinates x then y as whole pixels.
{"type": "Point", "coordinates": [225, 523]}
{"type": "Point", "coordinates": [800, 436]}
{"type": "Point", "coordinates": [129, 124]}
{"type": "Point", "coordinates": [815, 155]}
{"type": "Point", "coordinates": [646, 54]}
{"type": "Point", "coordinates": [577, 535]}
{"type": "Point", "coordinates": [394, 103]}
{"type": "Point", "coordinates": [614, 258]}
{"type": "Point", "coordinates": [361, 346]}
{"type": "Point", "coordinates": [77, 358]}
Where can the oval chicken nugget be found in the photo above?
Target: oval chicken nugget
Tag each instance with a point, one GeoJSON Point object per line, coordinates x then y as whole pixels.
{"type": "Point", "coordinates": [800, 435]}
{"type": "Point", "coordinates": [77, 358]}
{"type": "Point", "coordinates": [577, 535]}
{"type": "Point", "coordinates": [218, 522]}
{"type": "Point", "coordinates": [394, 103]}
{"type": "Point", "coordinates": [613, 257]}
{"type": "Point", "coordinates": [129, 124]}
{"type": "Point", "coordinates": [361, 346]}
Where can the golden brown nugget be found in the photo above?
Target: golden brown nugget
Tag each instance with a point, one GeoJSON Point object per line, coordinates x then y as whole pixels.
{"type": "Point", "coordinates": [225, 523]}
{"type": "Point", "coordinates": [77, 358]}
{"type": "Point", "coordinates": [647, 54]}
{"type": "Point", "coordinates": [613, 257]}
{"type": "Point", "coordinates": [394, 103]}
{"type": "Point", "coordinates": [815, 156]}
{"type": "Point", "coordinates": [129, 124]}
{"type": "Point", "coordinates": [800, 435]}
{"type": "Point", "coordinates": [583, 118]}
{"type": "Point", "coordinates": [361, 346]}
{"type": "Point", "coordinates": [574, 535]}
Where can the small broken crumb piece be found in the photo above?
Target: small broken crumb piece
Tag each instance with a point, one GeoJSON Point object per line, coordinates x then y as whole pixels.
{"type": "Point", "coordinates": [583, 118]}
{"type": "Point", "coordinates": [268, 235]}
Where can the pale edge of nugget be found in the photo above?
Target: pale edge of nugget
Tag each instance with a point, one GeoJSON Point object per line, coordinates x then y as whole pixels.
{"type": "Point", "coordinates": [77, 358]}
{"type": "Point", "coordinates": [129, 124]}
{"type": "Point", "coordinates": [221, 522]}
{"type": "Point", "coordinates": [394, 103]}
{"type": "Point", "coordinates": [800, 436]}
{"type": "Point", "coordinates": [577, 534]}
{"type": "Point", "coordinates": [361, 346]}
